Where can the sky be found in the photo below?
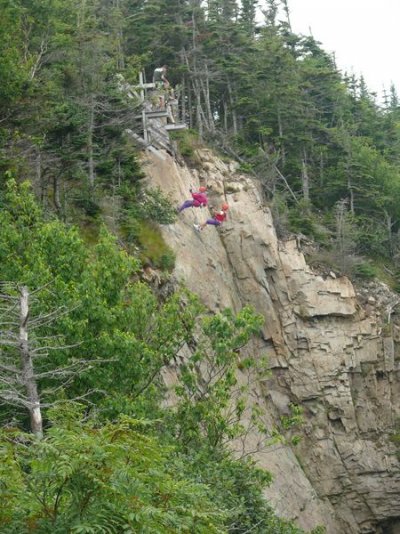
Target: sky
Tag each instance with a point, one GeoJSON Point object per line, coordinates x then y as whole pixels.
{"type": "Point", "coordinates": [363, 34]}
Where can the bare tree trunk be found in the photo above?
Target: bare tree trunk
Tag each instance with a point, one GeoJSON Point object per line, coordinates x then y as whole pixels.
{"type": "Point", "coordinates": [305, 179]}
{"type": "Point", "coordinates": [119, 172]}
{"type": "Point", "coordinates": [41, 180]}
{"type": "Point", "coordinates": [351, 192]}
{"type": "Point", "coordinates": [120, 61]}
{"type": "Point", "coordinates": [182, 99]}
{"type": "Point", "coordinates": [200, 117]}
{"type": "Point", "coordinates": [286, 184]}
{"type": "Point", "coordinates": [389, 226]}
{"type": "Point", "coordinates": [191, 88]}
{"type": "Point", "coordinates": [234, 116]}
{"type": "Point", "coordinates": [206, 92]}
{"type": "Point", "coordinates": [348, 174]}
{"type": "Point", "coordinates": [36, 66]}
{"type": "Point", "coordinates": [195, 83]}
{"type": "Point", "coordinates": [56, 193]}
{"type": "Point", "coordinates": [198, 113]}
{"type": "Point", "coordinates": [340, 229]}
{"type": "Point", "coordinates": [280, 130]}
{"type": "Point", "coordinates": [90, 143]}
{"type": "Point", "coordinates": [349, 184]}
{"type": "Point", "coordinates": [28, 377]}
{"type": "Point", "coordinates": [225, 116]}
{"type": "Point", "coordinates": [190, 107]}
{"type": "Point", "coordinates": [321, 169]}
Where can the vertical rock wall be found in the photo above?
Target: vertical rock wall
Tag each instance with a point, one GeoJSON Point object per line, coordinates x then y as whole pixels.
{"type": "Point", "coordinates": [325, 345]}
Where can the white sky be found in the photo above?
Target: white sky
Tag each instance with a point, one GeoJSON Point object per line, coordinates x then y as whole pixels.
{"type": "Point", "coordinates": [363, 34]}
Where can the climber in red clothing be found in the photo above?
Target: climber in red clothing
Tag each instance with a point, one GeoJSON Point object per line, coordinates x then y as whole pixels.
{"type": "Point", "coordinates": [199, 199]}
{"type": "Point", "coordinates": [217, 219]}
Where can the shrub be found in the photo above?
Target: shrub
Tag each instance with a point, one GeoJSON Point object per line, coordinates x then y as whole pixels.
{"type": "Point", "coordinates": [187, 142]}
{"type": "Point", "coordinates": [88, 205]}
{"type": "Point", "coordinates": [364, 270]}
{"type": "Point", "coordinates": [154, 250]}
{"type": "Point", "coordinates": [84, 478]}
{"type": "Point", "coordinates": [153, 205]}
{"type": "Point", "coordinates": [302, 220]}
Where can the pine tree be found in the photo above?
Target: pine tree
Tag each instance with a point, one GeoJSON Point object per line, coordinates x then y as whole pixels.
{"type": "Point", "coordinates": [248, 15]}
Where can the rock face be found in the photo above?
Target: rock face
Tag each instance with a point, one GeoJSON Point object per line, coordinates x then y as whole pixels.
{"type": "Point", "coordinates": [332, 351]}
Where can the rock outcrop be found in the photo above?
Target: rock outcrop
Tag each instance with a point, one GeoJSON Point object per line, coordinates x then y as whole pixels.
{"type": "Point", "coordinates": [332, 351]}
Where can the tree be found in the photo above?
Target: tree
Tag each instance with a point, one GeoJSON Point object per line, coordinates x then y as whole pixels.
{"type": "Point", "coordinates": [248, 15]}
{"type": "Point", "coordinates": [19, 383]}
{"type": "Point", "coordinates": [13, 71]}
{"type": "Point", "coordinates": [110, 317]}
{"type": "Point", "coordinates": [24, 359]}
{"type": "Point", "coordinates": [87, 477]}
{"type": "Point", "coordinates": [211, 403]}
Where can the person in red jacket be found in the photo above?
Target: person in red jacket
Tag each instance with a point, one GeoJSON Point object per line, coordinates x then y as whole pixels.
{"type": "Point", "coordinates": [217, 219]}
{"type": "Point", "coordinates": [199, 199]}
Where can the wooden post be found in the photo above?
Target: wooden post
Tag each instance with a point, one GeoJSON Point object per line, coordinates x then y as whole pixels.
{"type": "Point", "coordinates": [141, 86]}
{"type": "Point", "coordinates": [145, 132]}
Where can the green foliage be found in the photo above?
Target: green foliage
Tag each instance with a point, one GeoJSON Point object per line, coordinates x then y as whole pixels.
{"type": "Point", "coordinates": [13, 69]}
{"type": "Point", "coordinates": [237, 486]}
{"type": "Point", "coordinates": [105, 315]}
{"type": "Point", "coordinates": [302, 220]}
{"type": "Point", "coordinates": [86, 477]}
{"type": "Point", "coordinates": [153, 248]}
{"type": "Point", "coordinates": [294, 419]}
{"type": "Point", "coordinates": [273, 98]}
{"type": "Point", "coordinates": [187, 141]}
{"type": "Point", "coordinates": [291, 423]}
{"type": "Point", "coordinates": [365, 270]}
{"type": "Point", "coordinates": [119, 168]}
{"type": "Point", "coordinates": [209, 412]}
{"type": "Point", "coordinates": [395, 437]}
{"type": "Point", "coordinates": [154, 206]}
{"type": "Point", "coordinates": [88, 205]}
{"type": "Point", "coordinates": [139, 223]}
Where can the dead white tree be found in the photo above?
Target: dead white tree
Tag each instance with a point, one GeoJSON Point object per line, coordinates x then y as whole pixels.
{"type": "Point", "coordinates": [18, 384]}
{"type": "Point", "coordinates": [23, 354]}
{"type": "Point", "coordinates": [27, 374]}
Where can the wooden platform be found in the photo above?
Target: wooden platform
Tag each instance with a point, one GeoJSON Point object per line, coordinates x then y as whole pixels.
{"type": "Point", "coordinates": [156, 114]}
{"type": "Point", "coordinates": [155, 122]}
{"type": "Point", "coordinates": [177, 126]}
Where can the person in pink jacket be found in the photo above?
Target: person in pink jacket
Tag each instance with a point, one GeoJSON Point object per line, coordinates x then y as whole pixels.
{"type": "Point", "coordinates": [199, 199]}
{"type": "Point", "coordinates": [217, 219]}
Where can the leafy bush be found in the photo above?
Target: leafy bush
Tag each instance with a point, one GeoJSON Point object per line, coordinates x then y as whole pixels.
{"type": "Point", "coordinates": [237, 486]}
{"type": "Point", "coordinates": [153, 248]}
{"type": "Point", "coordinates": [88, 205]}
{"type": "Point", "coordinates": [364, 270]}
{"type": "Point", "coordinates": [279, 210]}
{"type": "Point", "coordinates": [167, 260]}
{"type": "Point", "coordinates": [294, 419]}
{"type": "Point", "coordinates": [302, 220]}
{"type": "Point", "coordinates": [187, 142]}
{"type": "Point", "coordinates": [372, 240]}
{"type": "Point", "coordinates": [149, 205]}
{"type": "Point", "coordinates": [139, 225]}
{"type": "Point", "coordinates": [91, 478]}
{"type": "Point", "coordinates": [120, 165]}
{"type": "Point", "coordinates": [153, 205]}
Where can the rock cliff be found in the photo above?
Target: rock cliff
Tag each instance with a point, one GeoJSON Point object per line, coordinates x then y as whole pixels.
{"type": "Point", "coordinates": [331, 350]}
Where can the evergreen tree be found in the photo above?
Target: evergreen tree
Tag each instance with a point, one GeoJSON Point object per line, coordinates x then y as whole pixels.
{"type": "Point", "coordinates": [248, 15]}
